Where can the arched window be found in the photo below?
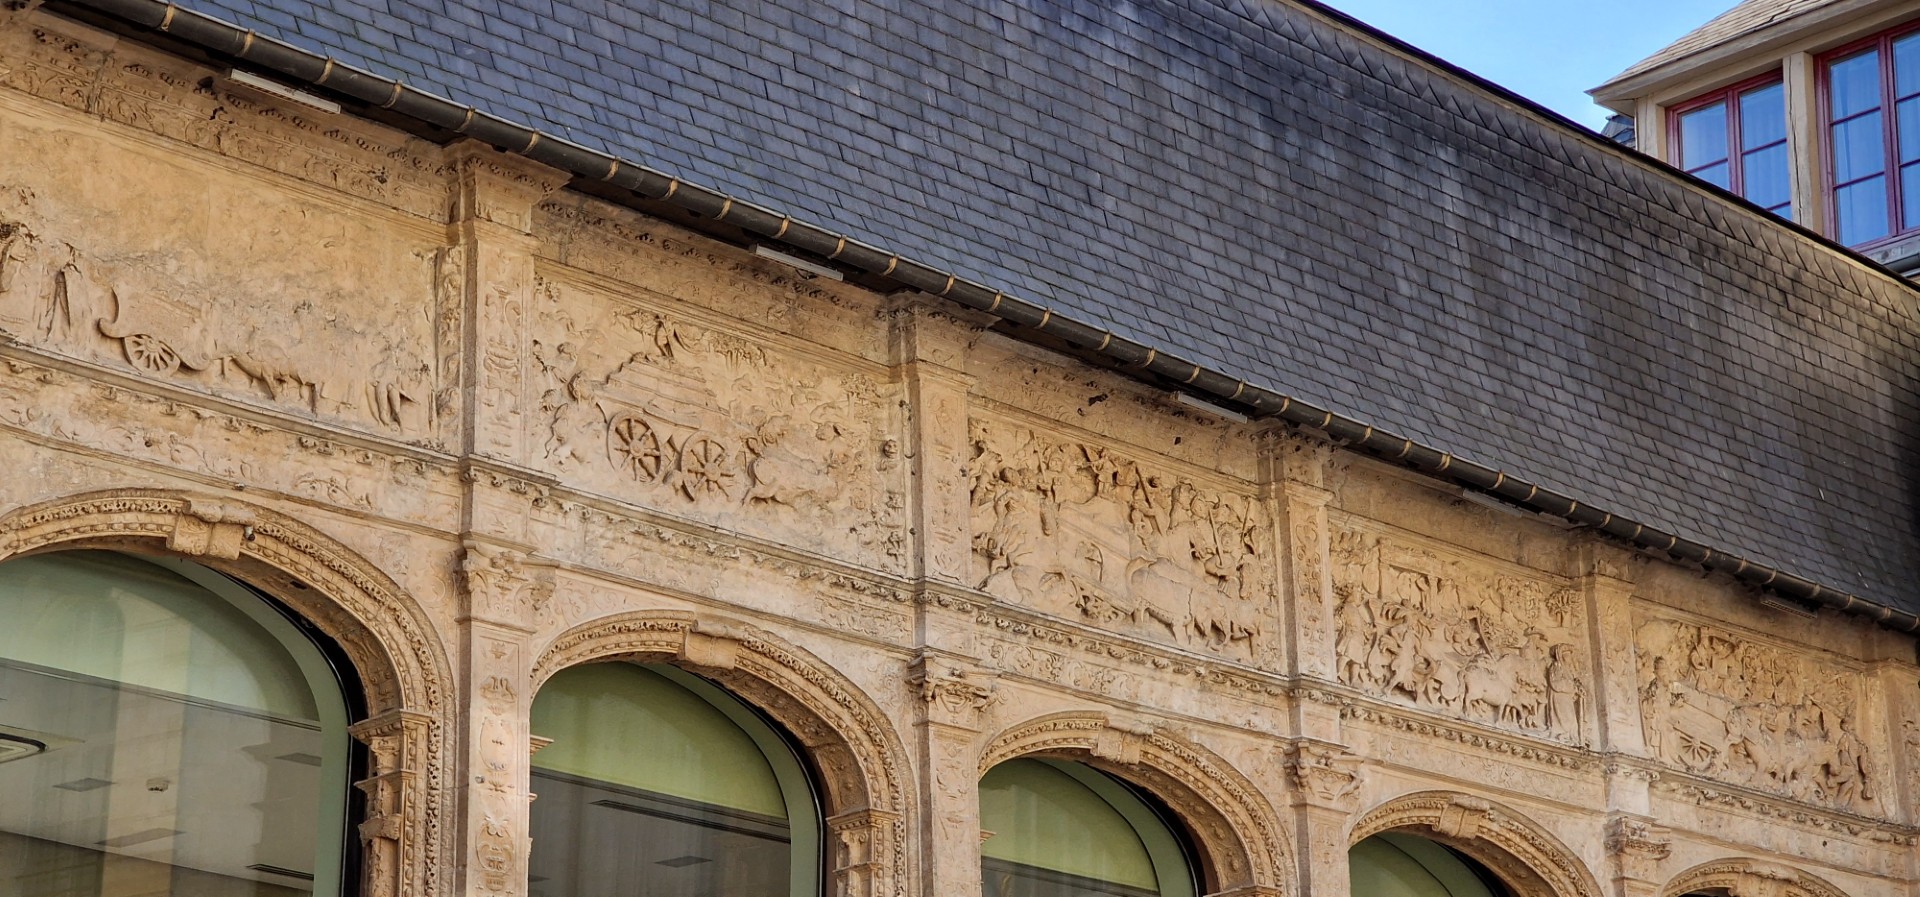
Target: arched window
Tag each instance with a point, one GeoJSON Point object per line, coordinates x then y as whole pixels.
{"type": "Point", "coordinates": [1062, 829]}
{"type": "Point", "coordinates": [1393, 864]}
{"type": "Point", "coordinates": [658, 783]}
{"type": "Point", "coordinates": [164, 731]}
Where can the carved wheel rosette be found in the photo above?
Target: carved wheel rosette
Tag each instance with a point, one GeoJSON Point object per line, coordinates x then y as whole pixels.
{"type": "Point", "coordinates": [150, 353]}
{"type": "Point", "coordinates": [703, 467]}
{"type": "Point", "coordinates": [634, 447]}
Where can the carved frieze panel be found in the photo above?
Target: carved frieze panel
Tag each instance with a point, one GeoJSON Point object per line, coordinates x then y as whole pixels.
{"type": "Point", "coordinates": [1085, 531]}
{"type": "Point", "coordinates": [286, 326]}
{"type": "Point", "coordinates": [1422, 626]}
{"type": "Point", "coordinates": [720, 425]}
{"type": "Point", "coordinates": [1717, 703]}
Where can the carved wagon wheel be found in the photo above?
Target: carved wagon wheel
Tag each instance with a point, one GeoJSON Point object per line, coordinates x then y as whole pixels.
{"type": "Point", "coordinates": [703, 466]}
{"type": "Point", "coordinates": [149, 353]}
{"type": "Point", "coordinates": [633, 445]}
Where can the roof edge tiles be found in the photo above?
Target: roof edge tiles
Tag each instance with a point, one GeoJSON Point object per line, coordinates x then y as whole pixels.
{"type": "Point", "coordinates": [1128, 356]}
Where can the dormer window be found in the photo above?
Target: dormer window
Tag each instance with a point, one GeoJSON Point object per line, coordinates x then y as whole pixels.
{"type": "Point", "coordinates": [1736, 139]}
{"type": "Point", "coordinates": [1870, 101]}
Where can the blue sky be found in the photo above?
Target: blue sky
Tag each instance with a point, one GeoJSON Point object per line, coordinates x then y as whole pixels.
{"type": "Point", "coordinates": [1549, 51]}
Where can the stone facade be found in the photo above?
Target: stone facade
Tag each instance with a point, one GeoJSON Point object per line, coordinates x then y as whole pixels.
{"type": "Point", "coordinates": [479, 427]}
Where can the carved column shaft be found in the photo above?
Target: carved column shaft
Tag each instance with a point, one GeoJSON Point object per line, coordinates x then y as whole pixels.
{"type": "Point", "coordinates": [930, 354]}
{"type": "Point", "coordinates": [397, 746]}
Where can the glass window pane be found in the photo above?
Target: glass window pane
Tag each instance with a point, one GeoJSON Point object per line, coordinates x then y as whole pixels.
{"type": "Point", "coordinates": [659, 784]}
{"type": "Point", "coordinates": [156, 762]}
{"type": "Point", "coordinates": [1763, 176]}
{"type": "Point", "coordinates": [1861, 211]}
{"type": "Point", "coordinates": [1059, 829]}
{"type": "Point", "coordinates": [1906, 65]}
{"type": "Point", "coordinates": [1397, 865]}
{"type": "Point", "coordinates": [1763, 116]}
{"type": "Point", "coordinates": [1908, 126]}
{"type": "Point", "coordinates": [1910, 196]}
{"type": "Point", "coordinates": [1859, 149]}
{"type": "Point", "coordinates": [1715, 174]}
{"type": "Point", "coordinates": [1703, 136]}
{"type": "Point", "coordinates": [1853, 84]}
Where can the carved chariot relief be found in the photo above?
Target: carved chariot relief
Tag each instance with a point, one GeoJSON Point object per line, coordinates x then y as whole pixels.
{"type": "Point", "coordinates": [269, 337]}
{"type": "Point", "coordinates": [1079, 530]}
{"type": "Point", "coordinates": [718, 426]}
{"type": "Point", "coordinates": [1719, 705]}
{"type": "Point", "coordinates": [1446, 633]}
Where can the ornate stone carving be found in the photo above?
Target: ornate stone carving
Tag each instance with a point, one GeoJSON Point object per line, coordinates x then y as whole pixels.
{"type": "Point", "coordinates": [290, 341]}
{"type": "Point", "coordinates": [1717, 704]}
{"type": "Point", "coordinates": [1750, 878]}
{"type": "Point", "coordinates": [1081, 530]}
{"type": "Point", "coordinates": [1529, 861]}
{"type": "Point", "coordinates": [1325, 774]}
{"type": "Point", "coordinates": [954, 694]}
{"type": "Point", "coordinates": [503, 586]}
{"type": "Point", "coordinates": [1442, 632]}
{"type": "Point", "coordinates": [1639, 846]}
{"type": "Point", "coordinates": [1225, 810]}
{"type": "Point", "coordinates": [715, 424]}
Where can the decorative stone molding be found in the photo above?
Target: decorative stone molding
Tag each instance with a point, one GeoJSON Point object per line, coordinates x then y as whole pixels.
{"type": "Point", "coordinates": [1531, 862]}
{"type": "Point", "coordinates": [1639, 847]}
{"type": "Point", "coordinates": [391, 642]}
{"type": "Point", "coordinates": [955, 694]}
{"type": "Point", "coordinates": [862, 762]}
{"type": "Point", "coordinates": [1242, 843]}
{"type": "Point", "coordinates": [1750, 878]}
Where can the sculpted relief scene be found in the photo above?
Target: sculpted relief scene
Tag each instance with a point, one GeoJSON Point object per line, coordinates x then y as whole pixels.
{"type": "Point", "coordinates": [718, 425]}
{"type": "Point", "coordinates": [1460, 637]}
{"type": "Point", "coordinates": [292, 334]}
{"type": "Point", "coordinates": [1720, 705]}
{"type": "Point", "coordinates": [1083, 531]}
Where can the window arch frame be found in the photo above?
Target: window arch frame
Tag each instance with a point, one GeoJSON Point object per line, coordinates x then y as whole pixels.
{"type": "Point", "coordinates": [1168, 846]}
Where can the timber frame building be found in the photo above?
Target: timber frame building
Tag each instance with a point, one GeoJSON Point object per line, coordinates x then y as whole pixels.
{"type": "Point", "coordinates": [1029, 448]}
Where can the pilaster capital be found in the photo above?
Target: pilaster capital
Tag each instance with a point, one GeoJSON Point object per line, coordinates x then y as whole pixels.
{"type": "Point", "coordinates": [954, 691]}
{"type": "Point", "coordinates": [499, 187]}
{"type": "Point", "coordinates": [1324, 774]}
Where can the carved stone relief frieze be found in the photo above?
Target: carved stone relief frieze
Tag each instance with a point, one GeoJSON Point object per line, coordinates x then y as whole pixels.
{"type": "Point", "coordinates": [1451, 634]}
{"type": "Point", "coordinates": [721, 426]}
{"type": "Point", "coordinates": [1084, 531]}
{"type": "Point", "coordinates": [266, 337]}
{"type": "Point", "coordinates": [1718, 704]}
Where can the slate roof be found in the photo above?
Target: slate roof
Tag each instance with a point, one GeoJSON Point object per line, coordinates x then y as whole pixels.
{"type": "Point", "coordinates": [1270, 190]}
{"type": "Point", "coordinates": [1749, 16]}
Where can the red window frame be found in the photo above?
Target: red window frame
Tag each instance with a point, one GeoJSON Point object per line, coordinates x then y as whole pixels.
{"type": "Point", "coordinates": [1882, 44]}
{"type": "Point", "coordinates": [1730, 95]}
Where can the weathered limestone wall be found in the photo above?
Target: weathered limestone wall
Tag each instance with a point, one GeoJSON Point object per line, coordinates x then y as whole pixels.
{"type": "Point", "coordinates": [479, 428]}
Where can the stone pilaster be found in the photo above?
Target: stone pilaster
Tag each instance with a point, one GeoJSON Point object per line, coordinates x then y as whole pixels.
{"type": "Point", "coordinates": [397, 753]}
{"type": "Point", "coordinates": [929, 347]}
{"type": "Point", "coordinates": [1607, 583]}
{"type": "Point", "coordinates": [503, 589]}
{"type": "Point", "coordinates": [953, 697]}
{"type": "Point", "coordinates": [490, 237]}
{"type": "Point", "coordinates": [1301, 466]}
{"type": "Point", "coordinates": [1636, 851]}
{"type": "Point", "coordinates": [1323, 785]}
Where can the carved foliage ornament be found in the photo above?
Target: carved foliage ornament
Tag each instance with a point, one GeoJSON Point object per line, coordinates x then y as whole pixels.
{"type": "Point", "coordinates": [1079, 530]}
{"type": "Point", "coordinates": [1443, 632]}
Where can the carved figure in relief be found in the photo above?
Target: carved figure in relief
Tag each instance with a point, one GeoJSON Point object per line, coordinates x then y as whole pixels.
{"type": "Point", "coordinates": [1752, 714]}
{"type": "Point", "coordinates": [1413, 626]}
{"type": "Point", "coordinates": [1081, 530]}
{"type": "Point", "coordinates": [16, 244]}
